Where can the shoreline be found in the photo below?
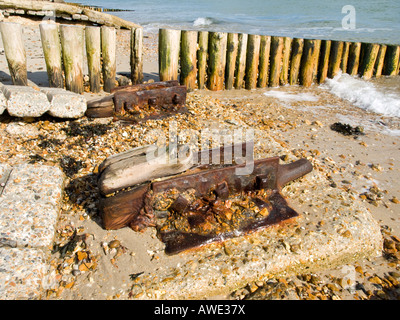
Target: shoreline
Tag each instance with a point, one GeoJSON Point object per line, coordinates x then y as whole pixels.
{"type": "Point", "coordinates": [301, 128]}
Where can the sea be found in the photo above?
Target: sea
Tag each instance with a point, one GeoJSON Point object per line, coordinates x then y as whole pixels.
{"type": "Point", "coordinates": [371, 21]}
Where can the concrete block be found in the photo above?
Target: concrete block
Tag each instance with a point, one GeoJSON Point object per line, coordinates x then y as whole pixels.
{"type": "Point", "coordinates": [65, 104]}
{"type": "Point", "coordinates": [23, 101]}
{"type": "Point", "coordinates": [3, 102]}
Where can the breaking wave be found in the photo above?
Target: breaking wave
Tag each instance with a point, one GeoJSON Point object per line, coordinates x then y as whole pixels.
{"type": "Point", "coordinates": [364, 94]}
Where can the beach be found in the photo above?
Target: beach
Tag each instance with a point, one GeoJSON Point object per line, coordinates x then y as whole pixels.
{"type": "Point", "coordinates": [291, 122]}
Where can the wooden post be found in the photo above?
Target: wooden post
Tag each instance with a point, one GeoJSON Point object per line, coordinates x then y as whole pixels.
{"type": "Point", "coordinates": [231, 56]}
{"type": "Point", "coordinates": [188, 59]}
{"type": "Point", "coordinates": [354, 58]}
{"type": "Point", "coordinates": [265, 47]}
{"type": "Point", "coordinates": [136, 55]}
{"type": "Point", "coordinates": [241, 60]}
{"type": "Point", "coordinates": [202, 54]}
{"type": "Point", "coordinates": [391, 66]}
{"type": "Point", "coordinates": [15, 52]}
{"type": "Point", "coordinates": [324, 60]}
{"type": "Point", "coordinates": [345, 57]}
{"type": "Point", "coordinates": [216, 60]}
{"type": "Point", "coordinates": [168, 53]}
{"type": "Point", "coordinates": [284, 76]}
{"type": "Point", "coordinates": [108, 53]}
{"type": "Point", "coordinates": [93, 52]}
{"type": "Point", "coordinates": [369, 58]}
{"type": "Point", "coordinates": [335, 58]}
{"type": "Point", "coordinates": [52, 53]}
{"type": "Point", "coordinates": [380, 61]}
{"type": "Point", "coordinates": [72, 51]}
{"type": "Point", "coordinates": [275, 61]}
{"type": "Point", "coordinates": [315, 59]}
{"type": "Point", "coordinates": [252, 60]}
{"type": "Point", "coordinates": [308, 62]}
{"type": "Point", "coordinates": [295, 60]}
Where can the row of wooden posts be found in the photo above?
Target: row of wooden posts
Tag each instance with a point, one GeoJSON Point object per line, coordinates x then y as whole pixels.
{"type": "Point", "coordinates": [64, 47]}
{"type": "Point", "coordinates": [218, 60]}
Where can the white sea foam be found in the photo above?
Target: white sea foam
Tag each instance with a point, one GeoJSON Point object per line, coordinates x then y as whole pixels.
{"type": "Point", "coordinates": [364, 94]}
{"type": "Point", "coordinates": [203, 21]}
{"type": "Point", "coordinates": [285, 96]}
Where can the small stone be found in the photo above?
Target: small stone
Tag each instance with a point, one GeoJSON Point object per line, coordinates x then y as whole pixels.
{"type": "Point", "coordinates": [395, 200]}
{"type": "Point", "coordinates": [375, 280]}
{"type": "Point", "coordinates": [114, 244]}
{"type": "Point", "coordinates": [394, 274]}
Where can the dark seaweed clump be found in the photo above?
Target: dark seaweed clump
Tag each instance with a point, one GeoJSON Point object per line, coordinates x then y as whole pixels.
{"type": "Point", "coordinates": [70, 165]}
{"type": "Point", "coordinates": [76, 129]}
{"type": "Point", "coordinates": [347, 129]}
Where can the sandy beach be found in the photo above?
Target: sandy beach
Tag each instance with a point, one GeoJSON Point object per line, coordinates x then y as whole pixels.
{"type": "Point", "coordinates": [298, 119]}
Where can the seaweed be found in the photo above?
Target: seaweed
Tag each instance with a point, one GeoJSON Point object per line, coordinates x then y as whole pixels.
{"type": "Point", "coordinates": [35, 159]}
{"type": "Point", "coordinates": [69, 247]}
{"type": "Point", "coordinates": [76, 129]}
{"type": "Point", "coordinates": [347, 129]}
{"type": "Point", "coordinates": [70, 165]}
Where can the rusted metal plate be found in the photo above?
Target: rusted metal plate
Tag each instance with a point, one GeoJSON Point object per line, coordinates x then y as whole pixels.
{"type": "Point", "coordinates": [140, 102]}
{"type": "Point", "coordinates": [177, 241]}
{"type": "Point", "coordinates": [149, 104]}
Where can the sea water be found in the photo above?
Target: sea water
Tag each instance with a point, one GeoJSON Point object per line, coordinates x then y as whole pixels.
{"type": "Point", "coordinates": [370, 21]}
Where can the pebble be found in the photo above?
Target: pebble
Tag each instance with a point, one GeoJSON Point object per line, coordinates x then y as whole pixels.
{"type": "Point", "coordinates": [114, 244]}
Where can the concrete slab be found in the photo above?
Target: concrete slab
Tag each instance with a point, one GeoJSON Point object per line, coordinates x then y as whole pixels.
{"type": "Point", "coordinates": [65, 104]}
{"type": "Point", "coordinates": [22, 273]}
{"type": "Point", "coordinates": [29, 207]}
{"type": "Point", "coordinates": [30, 204]}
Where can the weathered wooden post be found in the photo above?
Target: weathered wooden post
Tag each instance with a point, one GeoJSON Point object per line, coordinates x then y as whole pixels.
{"type": "Point", "coordinates": [168, 53]}
{"type": "Point", "coordinates": [345, 56]}
{"type": "Point", "coordinates": [354, 58]}
{"type": "Point", "coordinates": [324, 60]}
{"type": "Point", "coordinates": [52, 53]}
{"type": "Point", "coordinates": [93, 52]}
{"type": "Point", "coordinates": [202, 55]}
{"type": "Point", "coordinates": [136, 57]}
{"type": "Point", "coordinates": [275, 61]}
{"type": "Point", "coordinates": [108, 53]}
{"type": "Point", "coordinates": [72, 51]}
{"type": "Point", "coordinates": [335, 58]}
{"type": "Point", "coordinates": [370, 53]}
{"type": "Point", "coordinates": [284, 76]}
{"type": "Point", "coordinates": [14, 50]}
{"type": "Point", "coordinates": [241, 60]}
{"type": "Point", "coordinates": [295, 60]}
{"type": "Point", "coordinates": [216, 60]}
{"type": "Point", "coordinates": [308, 62]}
{"type": "Point", "coordinates": [188, 59]}
{"type": "Point", "coordinates": [252, 60]}
{"type": "Point", "coordinates": [231, 56]}
{"type": "Point", "coordinates": [316, 60]}
{"type": "Point", "coordinates": [380, 60]}
{"type": "Point", "coordinates": [391, 66]}
{"type": "Point", "coordinates": [263, 67]}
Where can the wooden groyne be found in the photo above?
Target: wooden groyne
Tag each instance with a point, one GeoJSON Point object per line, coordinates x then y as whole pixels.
{"type": "Point", "coordinates": [219, 60]}
{"type": "Point", "coordinates": [64, 49]}
{"type": "Point", "coordinates": [64, 12]}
